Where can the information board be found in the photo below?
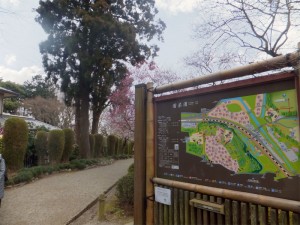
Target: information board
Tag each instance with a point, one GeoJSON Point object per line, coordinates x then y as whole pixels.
{"type": "Point", "coordinates": [244, 138]}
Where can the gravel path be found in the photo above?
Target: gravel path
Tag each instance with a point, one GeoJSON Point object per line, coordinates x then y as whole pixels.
{"type": "Point", "coordinates": [54, 200]}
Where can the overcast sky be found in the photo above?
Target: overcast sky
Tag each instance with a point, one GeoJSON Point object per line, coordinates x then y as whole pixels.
{"type": "Point", "coordinates": [20, 36]}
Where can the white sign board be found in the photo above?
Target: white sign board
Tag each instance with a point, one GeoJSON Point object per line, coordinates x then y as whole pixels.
{"type": "Point", "coordinates": [163, 195]}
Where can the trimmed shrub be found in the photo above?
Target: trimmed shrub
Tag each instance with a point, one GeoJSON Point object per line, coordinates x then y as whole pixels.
{"type": "Point", "coordinates": [104, 150]}
{"type": "Point", "coordinates": [99, 141]}
{"type": "Point", "coordinates": [31, 158]}
{"type": "Point", "coordinates": [116, 153]}
{"type": "Point", "coordinates": [111, 145]}
{"type": "Point", "coordinates": [130, 147]}
{"type": "Point", "coordinates": [15, 140]}
{"type": "Point", "coordinates": [56, 143]}
{"type": "Point", "coordinates": [125, 189]}
{"type": "Point", "coordinates": [120, 146]}
{"type": "Point", "coordinates": [92, 144]}
{"type": "Point", "coordinates": [69, 135]}
{"type": "Point", "coordinates": [41, 146]}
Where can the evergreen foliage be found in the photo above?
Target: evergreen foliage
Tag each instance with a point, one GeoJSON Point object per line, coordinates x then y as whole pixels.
{"type": "Point", "coordinates": [111, 145]}
{"type": "Point", "coordinates": [92, 144]}
{"type": "Point", "coordinates": [69, 144]}
{"type": "Point", "coordinates": [39, 86]}
{"type": "Point", "coordinates": [125, 188]}
{"type": "Point", "coordinates": [130, 147]}
{"type": "Point", "coordinates": [116, 151]}
{"type": "Point", "coordinates": [75, 154]}
{"type": "Point", "coordinates": [99, 142]}
{"type": "Point", "coordinates": [89, 43]}
{"type": "Point", "coordinates": [122, 146]}
{"type": "Point", "coordinates": [15, 140]}
{"type": "Point", "coordinates": [104, 150]}
{"type": "Point", "coordinates": [56, 143]}
{"type": "Point", "coordinates": [41, 146]}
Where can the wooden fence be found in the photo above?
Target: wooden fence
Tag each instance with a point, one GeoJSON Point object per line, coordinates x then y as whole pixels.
{"type": "Point", "coordinates": [185, 210]}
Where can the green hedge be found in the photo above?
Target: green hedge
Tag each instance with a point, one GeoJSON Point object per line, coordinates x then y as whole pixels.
{"type": "Point", "coordinates": [111, 145]}
{"type": "Point", "coordinates": [130, 148]}
{"type": "Point", "coordinates": [69, 144]}
{"type": "Point", "coordinates": [15, 140]}
{"type": "Point", "coordinates": [125, 188]}
{"type": "Point", "coordinates": [92, 144]}
{"type": "Point", "coordinates": [41, 146]}
{"type": "Point", "coordinates": [56, 143]}
{"type": "Point", "coordinates": [99, 142]}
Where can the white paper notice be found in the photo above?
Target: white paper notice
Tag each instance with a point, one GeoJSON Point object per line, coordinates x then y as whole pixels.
{"type": "Point", "coordinates": [163, 195]}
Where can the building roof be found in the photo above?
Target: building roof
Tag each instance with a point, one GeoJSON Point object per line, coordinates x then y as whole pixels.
{"type": "Point", "coordinates": [7, 93]}
{"type": "Point", "coordinates": [33, 123]}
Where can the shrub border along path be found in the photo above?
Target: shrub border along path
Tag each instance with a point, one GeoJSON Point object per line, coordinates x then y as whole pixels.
{"type": "Point", "coordinates": [56, 199]}
{"type": "Point", "coordinates": [27, 175]}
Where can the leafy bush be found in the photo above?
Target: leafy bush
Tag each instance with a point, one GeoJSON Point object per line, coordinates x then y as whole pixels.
{"type": "Point", "coordinates": [131, 168]}
{"type": "Point", "coordinates": [78, 164]}
{"type": "Point", "coordinates": [15, 140]}
{"type": "Point", "coordinates": [23, 176]}
{"type": "Point", "coordinates": [37, 171]}
{"type": "Point", "coordinates": [69, 144]}
{"type": "Point", "coordinates": [111, 145]}
{"type": "Point", "coordinates": [41, 146]}
{"type": "Point", "coordinates": [125, 189]}
{"type": "Point", "coordinates": [99, 142]}
{"type": "Point", "coordinates": [75, 154]}
{"type": "Point", "coordinates": [92, 144]}
{"type": "Point", "coordinates": [56, 143]}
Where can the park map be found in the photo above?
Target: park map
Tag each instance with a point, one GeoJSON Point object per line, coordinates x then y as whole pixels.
{"type": "Point", "coordinates": [254, 134]}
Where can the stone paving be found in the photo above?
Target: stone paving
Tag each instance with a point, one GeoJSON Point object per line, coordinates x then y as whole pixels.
{"type": "Point", "coordinates": [54, 200]}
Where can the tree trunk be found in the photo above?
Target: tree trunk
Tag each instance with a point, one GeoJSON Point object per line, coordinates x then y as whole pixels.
{"type": "Point", "coordinates": [95, 122]}
{"type": "Point", "coordinates": [84, 143]}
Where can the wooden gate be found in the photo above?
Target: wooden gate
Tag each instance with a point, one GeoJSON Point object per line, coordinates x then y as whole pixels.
{"type": "Point", "coordinates": [195, 203]}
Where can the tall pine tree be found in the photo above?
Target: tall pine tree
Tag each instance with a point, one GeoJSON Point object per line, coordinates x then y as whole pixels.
{"type": "Point", "coordinates": [89, 43]}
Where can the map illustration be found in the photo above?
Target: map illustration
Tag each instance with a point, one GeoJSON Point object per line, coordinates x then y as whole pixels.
{"type": "Point", "coordinates": [255, 134]}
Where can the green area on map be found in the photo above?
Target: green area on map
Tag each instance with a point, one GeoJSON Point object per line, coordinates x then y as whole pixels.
{"type": "Point", "coordinates": [255, 134]}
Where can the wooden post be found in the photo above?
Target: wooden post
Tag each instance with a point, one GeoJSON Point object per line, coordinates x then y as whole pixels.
{"type": "Point", "coordinates": [101, 209]}
{"type": "Point", "coordinates": [150, 161]}
{"type": "Point", "coordinates": [140, 155]}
